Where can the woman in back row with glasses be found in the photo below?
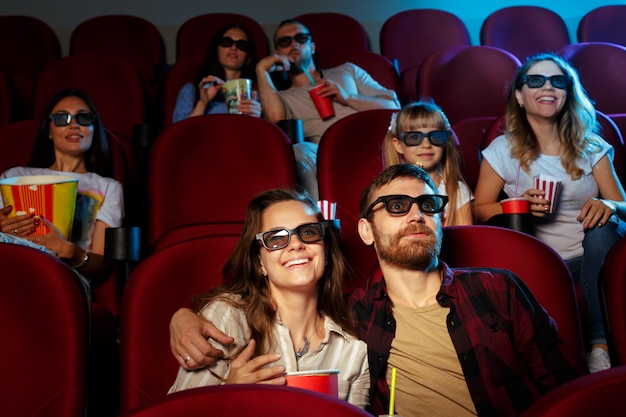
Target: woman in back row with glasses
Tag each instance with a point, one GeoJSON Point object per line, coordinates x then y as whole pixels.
{"type": "Point", "coordinates": [72, 141]}
{"type": "Point", "coordinates": [281, 300]}
{"type": "Point", "coordinates": [551, 129]}
{"type": "Point", "coordinates": [230, 56]}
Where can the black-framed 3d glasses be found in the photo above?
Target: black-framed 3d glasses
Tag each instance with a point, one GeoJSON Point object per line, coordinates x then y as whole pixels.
{"type": "Point", "coordinates": [286, 41]}
{"type": "Point", "coordinates": [307, 233]}
{"type": "Point", "coordinates": [64, 119]}
{"type": "Point", "coordinates": [415, 138]}
{"type": "Point", "coordinates": [401, 204]}
{"type": "Point", "coordinates": [537, 81]}
{"type": "Point", "coordinates": [227, 42]}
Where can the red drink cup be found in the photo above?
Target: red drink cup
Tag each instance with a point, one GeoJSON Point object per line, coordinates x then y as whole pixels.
{"type": "Point", "coordinates": [324, 105]}
{"type": "Point", "coordinates": [324, 381]}
{"type": "Point", "coordinates": [517, 205]}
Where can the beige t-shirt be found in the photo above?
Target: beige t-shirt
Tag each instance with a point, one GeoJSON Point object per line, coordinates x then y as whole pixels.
{"type": "Point", "coordinates": [429, 378]}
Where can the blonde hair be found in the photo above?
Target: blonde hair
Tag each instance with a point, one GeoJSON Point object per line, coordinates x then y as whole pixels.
{"type": "Point", "coordinates": [577, 123]}
{"type": "Point", "coordinates": [421, 114]}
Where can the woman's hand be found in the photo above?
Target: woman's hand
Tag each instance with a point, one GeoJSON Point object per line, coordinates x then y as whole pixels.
{"type": "Point", "coordinates": [244, 370]}
{"type": "Point", "coordinates": [596, 211]}
{"type": "Point", "coordinates": [53, 240]}
{"type": "Point", "coordinates": [539, 206]}
{"type": "Point", "coordinates": [209, 87]}
{"type": "Point", "coordinates": [251, 107]}
{"type": "Point", "coordinates": [21, 226]}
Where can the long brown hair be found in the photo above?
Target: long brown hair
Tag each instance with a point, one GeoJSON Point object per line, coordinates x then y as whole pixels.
{"type": "Point", "coordinates": [578, 125]}
{"type": "Point", "coordinates": [243, 278]}
{"type": "Point", "coordinates": [420, 114]}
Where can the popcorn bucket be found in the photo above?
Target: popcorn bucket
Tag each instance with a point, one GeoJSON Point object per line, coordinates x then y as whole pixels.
{"type": "Point", "coordinates": [50, 196]}
{"type": "Point", "coordinates": [328, 209]}
{"type": "Point", "coordinates": [235, 91]}
{"type": "Point", "coordinates": [551, 186]}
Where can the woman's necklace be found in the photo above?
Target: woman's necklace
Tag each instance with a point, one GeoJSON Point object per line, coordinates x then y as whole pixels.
{"type": "Point", "coordinates": [307, 342]}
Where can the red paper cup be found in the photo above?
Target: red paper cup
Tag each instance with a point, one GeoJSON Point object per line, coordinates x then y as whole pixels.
{"type": "Point", "coordinates": [324, 105]}
{"type": "Point", "coordinates": [518, 205]}
{"type": "Point", "coordinates": [325, 381]}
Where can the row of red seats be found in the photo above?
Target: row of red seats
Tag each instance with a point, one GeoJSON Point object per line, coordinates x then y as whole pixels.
{"type": "Point", "coordinates": [466, 81]}
{"type": "Point", "coordinates": [138, 41]}
{"type": "Point", "coordinates": [188, 153]}
{"type": "Point", "coordinates": [189, 200]}
{"type": "Point", "coordinates": [167, 279]}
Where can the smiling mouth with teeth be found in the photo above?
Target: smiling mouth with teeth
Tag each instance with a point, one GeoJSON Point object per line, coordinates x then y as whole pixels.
{"type": "Point", "coordinates": [296, 262]}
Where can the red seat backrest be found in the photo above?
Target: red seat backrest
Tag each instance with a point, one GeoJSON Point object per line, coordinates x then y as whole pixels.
{"type": "Point", "coordinates": [543, 30]}
{"type": "Point", "coordinates": [470, 133]}
{"type": "Point", "coordinates": [31, 45]}
{"type": "Point", "coordinates": [252, 400]}
{"type": "Point", "coordinates": [185, 70]}
{"type": "Point", "coordinates": [603, 24]}
{"type": "Point", "coordinates": [195, 35]}
{"type": "Point", "coordinates": [162, 283]}
{"type": "Point", "coordinates": [468, 81]}
{"type": "Point", "coordinates": [403, 43]}
{"type": "Point", "coordinates": [113, 84]}
{"type": "Point", "coordinates": [379, 67]}
{"type": "Point", "coordinates": [343, 178]}
{"type": "Point", "coordinates": [334, 34]}
{"type": "Point", "coordinates": [44, 306]}
{"type": "Point", "coordinates": [596, 394]}
{"type": "Point", "coordinates": [613, 289]}
{"type": "Point", "coordinates": [207, 168]}
{"type": "Point", "coordinates": [130, 37]}
{"type": "Point", "coordinates": [539, 266]}
{"type": "Point", "coordinates": [605, 84]}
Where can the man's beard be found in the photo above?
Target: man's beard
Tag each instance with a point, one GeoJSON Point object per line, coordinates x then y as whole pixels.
{"type": "Point", "coordinates": [297, 66]}
{"type": "Point", "coordinates": [296, 69]}
{"type": "Point", "coordinates": [415, 255]}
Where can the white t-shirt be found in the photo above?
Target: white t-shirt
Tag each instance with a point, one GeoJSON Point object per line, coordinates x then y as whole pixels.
{"type": "Point", "coordinates": [465, 196]}
{"type": "Point", "coordinates": [560, 230]}
{"type": "Point", "coordinates": [352, 78]}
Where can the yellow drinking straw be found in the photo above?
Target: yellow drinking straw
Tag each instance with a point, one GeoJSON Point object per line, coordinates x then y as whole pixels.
{"type": "Point", "coordinates": [392, 393]}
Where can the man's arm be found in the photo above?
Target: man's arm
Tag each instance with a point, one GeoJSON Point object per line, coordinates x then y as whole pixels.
{"type": "Point", "coordinates": [367, 93]}
{"type": "Point", "coordinates": [360, 102]}
{"type": "Point", "coordinates": [188, 340]}
{"type": "Point", "coordinates": [272, 104]}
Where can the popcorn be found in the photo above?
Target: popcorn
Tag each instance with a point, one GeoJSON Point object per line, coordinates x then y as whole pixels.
{"type": "Point", "coordinates": [328, 209]}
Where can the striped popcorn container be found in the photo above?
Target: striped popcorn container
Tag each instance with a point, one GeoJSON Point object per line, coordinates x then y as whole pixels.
{"type": "Point", "coordinates": [49, 196]}
{"type": "Point", "coordinates": [552, 188]}
{"type": "Point", "coordinates": [328, 209]}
